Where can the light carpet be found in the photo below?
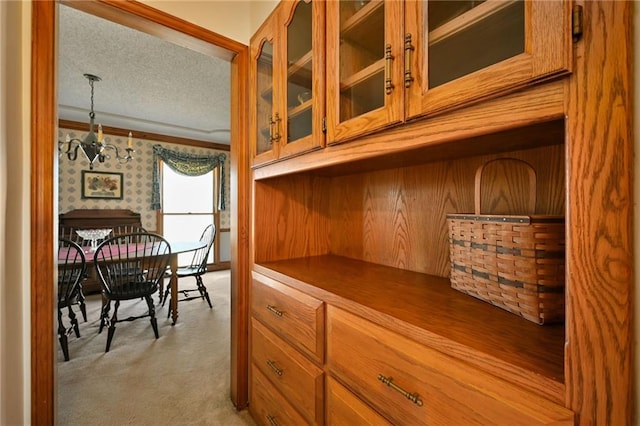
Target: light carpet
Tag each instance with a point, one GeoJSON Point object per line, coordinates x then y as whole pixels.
{"type": "Point", "coordinates": [182, 378]}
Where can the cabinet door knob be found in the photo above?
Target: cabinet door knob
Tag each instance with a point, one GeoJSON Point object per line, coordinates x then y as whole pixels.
{"type": "Point", "coordinates": [413, 397]}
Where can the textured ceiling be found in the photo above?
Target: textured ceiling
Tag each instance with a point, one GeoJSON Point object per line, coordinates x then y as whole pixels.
{"type": "Point", "coordinates": [147, 84]}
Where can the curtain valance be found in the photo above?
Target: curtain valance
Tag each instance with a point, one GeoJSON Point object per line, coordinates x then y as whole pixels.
{"type": "Point", "coordinates": [188, 165]}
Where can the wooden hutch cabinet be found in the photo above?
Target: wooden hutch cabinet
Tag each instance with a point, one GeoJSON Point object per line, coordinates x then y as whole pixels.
{"type": "Point", "coordinates": [353, 319]}
{"type": "Point", "coordinates": [389, 62]}
{"type": "Point", "coordinates": [287, 76]}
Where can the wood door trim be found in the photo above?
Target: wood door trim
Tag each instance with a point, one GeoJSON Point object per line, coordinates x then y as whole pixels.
{"type": "Point", "coordinates": [43, 189]}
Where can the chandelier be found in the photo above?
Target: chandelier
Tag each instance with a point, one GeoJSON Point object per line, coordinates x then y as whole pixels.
{"type": "Point", "coordinates": [93, 146]}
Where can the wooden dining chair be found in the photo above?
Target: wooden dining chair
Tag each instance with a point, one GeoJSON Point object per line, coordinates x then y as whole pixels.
{"type": "Point", "coordinates": [68, 233]}
{"type": "Point", "coordinates": [72, 268]}
{"type": "Point", "coordinates": [196, 268]}
{"type": "Point", "coordinates": [130, 266]}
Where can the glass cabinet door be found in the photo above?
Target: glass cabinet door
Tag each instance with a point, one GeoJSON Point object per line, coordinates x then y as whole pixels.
{"type": "Point", "coordinates": [303, 76]}
{"type": "Point", "coordinates": [481, 33]}
{"type": "Point", "coordinates": [460, 51]}
{"type": "Point", "coordinates": [263, 114]}
{"type": "Point", "coordinates": [266, 112]}
{"type": "Point", "coordinates": [364, 66]}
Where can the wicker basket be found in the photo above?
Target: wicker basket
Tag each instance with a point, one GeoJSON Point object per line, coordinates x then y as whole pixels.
{"type": "Point", "coordinates": [514, 262]}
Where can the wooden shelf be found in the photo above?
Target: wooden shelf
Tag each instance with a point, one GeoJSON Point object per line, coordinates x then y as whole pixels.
{"type": "Point", "coordinates": [427, 309]}
{"type": "Point", "coordinates": [300, 64]}
{"type": "Point", "coordinates": [267, 94]}
{"type": "Point", "coordinates": [300, 72]}
{"type": "Point", "coordinates": [362, 75]}
{"type": "Point", "coordinates": [355, 22]}
{"type": "Point", "coordinates": [299, 109]}
{"type": "Point", "coordinates": [264, 131]}
{"type": "Point", "coordinates": [467, 19]}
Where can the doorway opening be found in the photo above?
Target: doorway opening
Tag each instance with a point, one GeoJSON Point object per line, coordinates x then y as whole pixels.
{"type": "Point", "coordinates": [43, 185]}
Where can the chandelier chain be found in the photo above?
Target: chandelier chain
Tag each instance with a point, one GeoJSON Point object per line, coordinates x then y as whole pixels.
{"type": "Point", "coordinates": [91, 113]}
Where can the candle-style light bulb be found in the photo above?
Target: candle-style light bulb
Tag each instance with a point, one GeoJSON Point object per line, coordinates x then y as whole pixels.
{"type": "Point", "coordinates": [130, 141]}
{"type": "Point", "coordinates": [99, 133]}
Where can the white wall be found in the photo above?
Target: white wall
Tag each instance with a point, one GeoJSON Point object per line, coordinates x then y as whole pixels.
{"type": "Point", "coordinates": [15, 367]}
{"type": "Point", "coordinates": [234, 19]}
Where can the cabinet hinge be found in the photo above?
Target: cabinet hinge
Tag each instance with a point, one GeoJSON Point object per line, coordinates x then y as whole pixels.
{"type": "Point", "coordinates": [324, 124]}
{"type": "Point", "coordinates": [576, 23]}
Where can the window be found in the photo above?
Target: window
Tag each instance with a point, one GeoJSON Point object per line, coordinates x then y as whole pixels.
{"type": "Point", "coordinates": [188, 206]}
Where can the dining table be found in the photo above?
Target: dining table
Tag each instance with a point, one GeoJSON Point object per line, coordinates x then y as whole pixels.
{"type": "Point", "coordinates": [177, 248]}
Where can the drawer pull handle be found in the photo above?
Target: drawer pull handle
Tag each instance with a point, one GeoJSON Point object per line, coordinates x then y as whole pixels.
{"type": "Point", "coordinates": [272, 420]}
{"type": "Point", "coordinates": [413, 397]}
{"type": "Point", "coordinates": [274, 367]}
{"type": "Point", "coordinates": [275, 310]}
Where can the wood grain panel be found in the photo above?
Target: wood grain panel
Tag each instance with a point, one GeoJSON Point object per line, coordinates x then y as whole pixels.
{"type": "Point", "coordinates": [291, 219]}
{"type": "Point", "coordinates": [346, 208]}
{"type": "Point", "coordinates": [551, 46]}
{"type": "Point", "coordinates": [599, 219]}
{"type": "Point", "coordinates": [403, 211]}
{"type": "Point", "coordinates": [505, 187]}
{"type": "Point", "coordinates": [446, 391]}
{"type": "Point", "coordinates": [344, 408]}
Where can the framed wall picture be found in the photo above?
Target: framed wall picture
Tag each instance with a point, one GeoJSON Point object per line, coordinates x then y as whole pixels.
{"type": "Point", "coordinates": [101, 185]}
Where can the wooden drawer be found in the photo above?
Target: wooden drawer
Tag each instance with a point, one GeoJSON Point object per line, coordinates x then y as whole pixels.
{"type": "Point", "coordinates": [294, 316]}
{"type": "Point", "coordinates": [268, 406]}
{"type": "Point", "coordinates": [297, 378]}
{"type": "Point", "coordinates": [379, 365]}
{"type": "Point", "coordinates": [344, 408]}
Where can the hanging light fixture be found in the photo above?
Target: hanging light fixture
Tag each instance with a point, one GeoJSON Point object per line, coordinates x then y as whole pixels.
{"type": "Point", "coordinates": [93, 147]}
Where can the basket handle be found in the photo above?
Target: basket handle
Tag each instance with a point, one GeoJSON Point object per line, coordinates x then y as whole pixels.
{"type": "Point", "coordinates": [531, 173]}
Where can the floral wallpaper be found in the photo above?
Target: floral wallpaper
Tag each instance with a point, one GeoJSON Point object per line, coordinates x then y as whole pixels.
{"type": "Point", "coordinates": [136, 173]}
